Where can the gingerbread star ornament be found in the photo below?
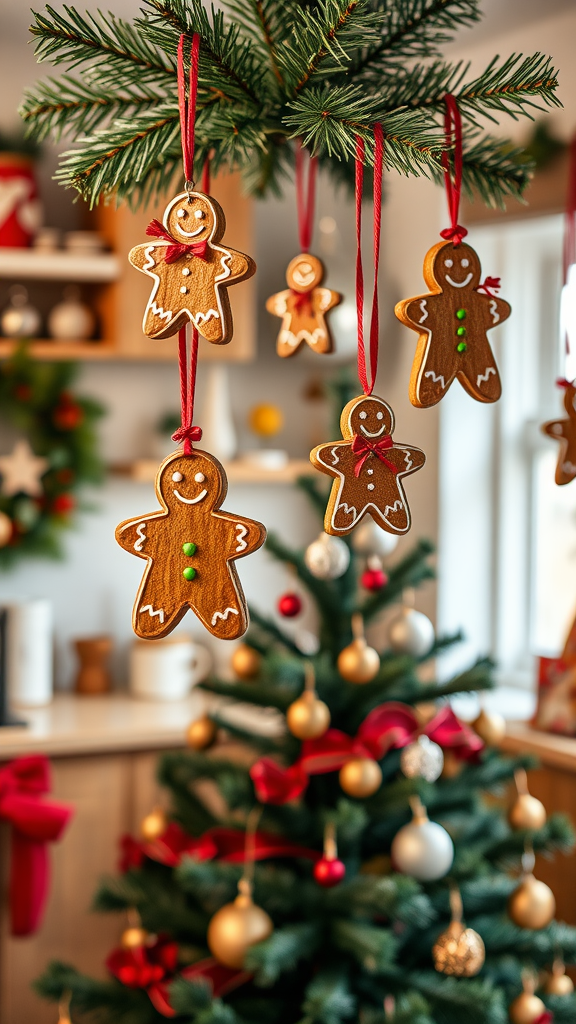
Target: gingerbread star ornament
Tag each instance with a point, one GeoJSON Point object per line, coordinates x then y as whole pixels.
{"type": "Point", "coordinates": [303, 307]}
{"type": "Point", "coordinates": [452, 321]}
{"type": "Point", "coordinates": [368, 467]}
{"type": "Point", "coordinates": [191, 270]}
{"type": "Point", "coordinates": [190, 547]}
{"type": "Point", "coordinates": [565, 432]}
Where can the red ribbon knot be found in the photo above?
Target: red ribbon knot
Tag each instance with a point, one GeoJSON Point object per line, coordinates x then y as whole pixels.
{"type": "Point", "coordinates": [302, 301]}
{"type": "Point", "coordinates": [176, 249]}
{"type": "Point", "coordinates": [363, 447]}
{"type": "Point", "coordinates": [489, 286]}
{"type": "Point", "coordinates": [187, 435]}
{"type": "Point", "coordinates": [454, 234]}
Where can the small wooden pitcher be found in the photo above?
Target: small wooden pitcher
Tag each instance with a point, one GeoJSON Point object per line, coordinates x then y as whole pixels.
{"type": "Point", "coordinates": [94, 673]}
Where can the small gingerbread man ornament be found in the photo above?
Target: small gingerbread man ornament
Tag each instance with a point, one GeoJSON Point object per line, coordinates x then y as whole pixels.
{"type": "Point", "coordinates": [452, 321]}
{"type": "Point", "coordinates": [190, 547]}
{"type": "Point", "coordinates": [303, 307]}
{"type": "Point", "coordinates": [191, 270]}
{"type": "Point", "coordinates": [368, 467]}
{"type": "Point", "coordinates": [565, 432]}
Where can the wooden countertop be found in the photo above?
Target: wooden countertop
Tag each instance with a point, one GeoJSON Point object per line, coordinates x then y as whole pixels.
{"type": "Point", "coordinates": [87, 725]}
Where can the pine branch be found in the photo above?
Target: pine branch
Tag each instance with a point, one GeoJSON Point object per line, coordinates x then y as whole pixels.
{"type": "Point", "coordinates": [328, 999]}
{"type": "Point", "coordinates": [373, 948]}
{"type": "Point", "coordinates": [67, 106]}
{"type": "Point", "coordinates": [127, 1005]}
{"type": "Point", "coordinates": [283, 950]}
{"type": "Point", "coordinates": [396, 897]}
{"type": "Point", "coordinates": [266, 22]}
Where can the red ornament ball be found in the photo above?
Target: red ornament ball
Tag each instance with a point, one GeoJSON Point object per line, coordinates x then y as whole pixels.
{"type": "Point", "coordinates": [373, 579]}
{"type": "Point", "coordinates": [63, 504]}
{"type": "Point", "coordinates": [68, 414]}
{"type": "Point", "coordinates": [329, 871]}
{"type": "Point", "coordinates": [290, 605]}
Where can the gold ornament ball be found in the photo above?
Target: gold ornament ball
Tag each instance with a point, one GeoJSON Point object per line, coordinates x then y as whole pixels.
{"type": "Point", "coordinates": [527, 812]}
{"type": "Point", "coordinates": [246, 662]}
{"type": "Point", "coordinates": [526, 1009]}
{"type": "Point", "coordinates": [358, 663]}
{"type": "Point", "coordinates": [452, 765]}
{"type": "Point", "coordinates": [459, 951]}
{"type": "Point", "coordinates": [558, 983]}
{"type": "Point", "coordinates": [360, 777]}
{"type": "Point", "coordinates": [532, 904]}
{"type": "Point", "coordinates": [266, 420]}
{"type": "Point", "coordinates": [153, 825]}
{"type": "Point", "coordinates": [201, 733]}
{"type": "Point", "coordinates": [490, 727]}
{"type": "Point", "coordinates": [308, 718]}
{"type": "Point", "coordinates": [5, 529]}
{"type": "Point", "coordinates": [236, 927]}
{"type": "Point", "coordinates": [133, 938]}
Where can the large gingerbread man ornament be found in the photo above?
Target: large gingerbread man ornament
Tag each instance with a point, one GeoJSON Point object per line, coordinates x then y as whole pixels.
{"type": "Point", "coordinates": [303, 307]}
{"type": "Point", "coordinates": [190, 269]}
{"type": "Point", "coordinates": [452, 321]}
{"type": "Point", "coordinates": [190, 547]}
{"type": "Point", "coordinates": [368, 467]}
{"type": "Point", "coordinates": [565, 432]}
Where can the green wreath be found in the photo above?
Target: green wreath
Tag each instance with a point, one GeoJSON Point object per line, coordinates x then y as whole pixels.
{"type": "Point", "coordinates": [54, 452]}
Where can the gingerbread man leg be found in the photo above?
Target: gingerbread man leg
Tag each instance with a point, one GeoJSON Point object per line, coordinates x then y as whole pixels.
{"type": "Point", "coordinates": [394, 518]}
{"type": "Point", "coordinates": [479, 374]}
{"type": "Point", "coordinates": [431, 375]}
{"type": "Point", "coordinates": [150, 619]}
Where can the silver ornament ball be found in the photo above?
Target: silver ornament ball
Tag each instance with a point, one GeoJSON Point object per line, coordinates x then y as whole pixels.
{"type": "Point", "coordinates": [423, 850]}
{"type": "Point", "coordinates": [369, 539]}
{"type": "Point", "coordinates": [422, 760]}
{"type": "Point", "coordinates": [327, 557]}
{"type": "Point", "coordinates": [411, 632]}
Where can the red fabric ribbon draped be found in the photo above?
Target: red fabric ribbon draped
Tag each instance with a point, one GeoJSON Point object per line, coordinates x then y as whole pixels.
{"type": "Point", "coordinates": [176, 249]}
{"type": "Point", "coordinates": [389, 726]}
{"type": "Point", "coordinates": [35, 822]}
{"type": "Point", "coordinates": [453, 131]}
{"type": "Point", "coordinates": [305, 205]}
{"type": "Point", "coordinates": [363, 447]}
{"type": "Point", "coordinates": [489, 286]}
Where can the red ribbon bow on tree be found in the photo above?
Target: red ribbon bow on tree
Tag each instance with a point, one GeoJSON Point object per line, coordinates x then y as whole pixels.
{"type": "Point", "coordinates": [176, 249]}
{"type": "Point", "coordinates": [489, 286]}
{"type": "Point", "coordinates": [363, 447]}
{"type": "Point", "coordinates": [389, 726]}
{"type": "Point", "coordinates": [35, 822]}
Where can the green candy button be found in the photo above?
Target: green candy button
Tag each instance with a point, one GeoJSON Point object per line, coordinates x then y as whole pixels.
{"type": "Point", "coordinates": [189, 549]}
{"type": "Point", "coordinates": [462, 346]}
{"type": "Point", "coordinates": [189, 573]}
{"type": "Point", "coordinates": [461, 332]}
{"type": "Point", "coordinates": [461, 314]}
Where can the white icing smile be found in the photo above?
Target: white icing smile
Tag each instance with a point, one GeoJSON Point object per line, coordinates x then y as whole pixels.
{"type": "Point", "coordinates": [460, 284]}
{"type": "Point", "coordinates": [304, 277]}
{"type": "Point", "coordinates": [191, 234]}
{"type": "Point", "coordinates": [191, 501]}
{"type": "Point", "coordinates": [372, 433]}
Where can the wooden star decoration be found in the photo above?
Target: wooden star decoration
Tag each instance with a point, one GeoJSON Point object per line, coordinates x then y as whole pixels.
{"type": "Point", "coordinates": [21, 471]}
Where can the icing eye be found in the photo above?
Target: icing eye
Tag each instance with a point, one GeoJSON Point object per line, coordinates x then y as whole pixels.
{"type": "Point", "coordinates": [181, 213]}
{"type": "Point", "coordinates": [464, 263]}
{"type": "Point", "coordinates": [177, 477]}
{"type": "Point", "coordinates": [363, 415]}
{"type": "Point", "coordinates": [199, 214]}
{"type": "Point", "coordinates": [199, 478]}
{"type": "Point", "coordinates": [379, 415]}
{"type": "Point", "coordinates": [448, 263]}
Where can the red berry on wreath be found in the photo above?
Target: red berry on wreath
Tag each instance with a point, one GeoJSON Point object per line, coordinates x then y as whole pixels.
{"type": "Point", "coordinates": [23, 392]}
{"type": "Point", "coordinates": [289, 605]}
{"type": "Point", "coordinates": [68, 414]}
{"type": "Point", "coordinates": [63, 504]}
{"type": "Point", "coordinates": [373, 579]}
{"type": "Point", "coordinates": [329, 871]}
{"type": "Point", "coordinates": [64, 476]}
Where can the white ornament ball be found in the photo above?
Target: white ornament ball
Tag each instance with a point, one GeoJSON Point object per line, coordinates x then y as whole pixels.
{"type": "Point", "coordinates": [411, 632]}
{"type": "Point", "coordinates": [327, 557]}
{"type": "Point", "coordinates": [423, 850]}
{"type": "Point", "coordinates": [422, 760]}
{"type": "Point", "coordinates": [71, 319]}
{"type": "Point", "coordinates": [20, 319]}
{"type": "Point", "coordinates": [369, 539]}
{"type": "Point", "coordinates": [307, 642]}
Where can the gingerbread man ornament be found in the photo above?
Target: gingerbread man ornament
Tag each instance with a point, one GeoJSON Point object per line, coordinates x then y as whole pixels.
{"type": "Point", "coordinates": [303, 307]}
{"type": "Point", "coordinates": [452, 321]}
{"type": "Point", "coordinates": [368, 467]}
{"type": "Point", "coordinates": [190, 547]}
{"type": "Point", "coordinates": [191, 270]}
{"type": "Point", "coordinates": [565, 432]}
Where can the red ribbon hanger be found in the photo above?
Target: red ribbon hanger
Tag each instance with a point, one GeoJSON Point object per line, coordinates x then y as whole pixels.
{"type": "Point", "coordinates": [35, 823]}
{"type": "Point", "coordinates": [569, 253]}
{"type": "Point", "coordinates": [305, 196]}
{"type": "Point", "coordinates": [453, 133]}
{"type": "Point", "coordinates": [368, 384]}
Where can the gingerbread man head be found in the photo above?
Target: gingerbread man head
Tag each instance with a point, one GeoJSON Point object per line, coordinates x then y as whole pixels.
{"type": "Point", "coordinates": [193, 217]}
{"type": "Point", "coordinates": [368, 417]}
{"type": "Point", "coordinates": [194, 481]}
{"type": "Point", "coordinates": [455, 266]}
{"type": "Point", "coordinates": [304, 273]}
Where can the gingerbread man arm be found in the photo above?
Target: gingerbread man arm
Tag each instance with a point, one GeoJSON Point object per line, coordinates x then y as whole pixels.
{"type": "Point", "coordinates": [144, 256]}
{"type": "Point", "coordinates": [243, 535]}
{"type": "Point", "coordinates": [555, 428]}
{"type": "Point", "coordinates": [325, 299]}
{"type": "Point", "coordinates": [136, 535]}
{"type": "Point", "coordinates": [406, 458]}
{"type": "Point", "coordinates": [495, 311]}
{"type": "Point", "coordinates": [242, 266]}
{"type": "Point", "coordinates": [335, 459]}
{"type": "Point", "coordinates": [277, 303]}
{"type": "Point", "coordinates": [416, 312]}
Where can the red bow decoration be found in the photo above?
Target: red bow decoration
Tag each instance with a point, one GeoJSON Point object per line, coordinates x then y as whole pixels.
{"type": "Point", "coordinates": [219, 978]}
{"type": "Point", "coordinates": [35, 822]}
{"type": "Point", "coordinates": [363, 447]}
{"type": "Point", "coordinates": [389, 726]}
{"type": "Point", "coordinates": [176, 249]}
{"type": "Point", "coordinates": [545, 1018]}
{"type": "Point", "coordinates": [454, 234]}
{"type": "Point", "coordinates": [489, 286]}
{"type": "Point", "coordinates": [561, 382]}
{"type": "Point", "coordinates": [187, 433]}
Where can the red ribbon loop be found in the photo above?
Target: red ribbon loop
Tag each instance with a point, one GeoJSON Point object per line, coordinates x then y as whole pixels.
{"type": "Point", "coordinates": [176, 249]}
{"type": "Point", "coordinates": [453, 132]}
{"type": "Point", "coordinates": [35, 822]}
{"type": "Point", "coordinates": [305, 206]}
{"type": "Point", "coordinates": [363, 447]}
{"type": "Point", "coordinates": [389, 726]}
{"type": "Point", "coordinates": [188, 109]}
{"type": "Point", "coordinates": [368, 385]}
{"type": "Point", "coordinates": [489, 286]}
{"type": "Point", "coordinates": [148, 967]}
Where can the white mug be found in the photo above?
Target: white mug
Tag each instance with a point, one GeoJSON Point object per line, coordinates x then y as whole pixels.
{"type": "Point", "coordinates": [30, 652]}
{"type": "Point", "coordinates": [167, 669]}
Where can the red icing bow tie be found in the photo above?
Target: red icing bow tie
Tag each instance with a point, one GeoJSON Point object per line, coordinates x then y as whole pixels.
{"type": "Point", "coordinates": [302, 301]}
{"type": "Point", "coordinates": [176, 249]}
{"type": "Point", "coordinates": [489, 286]}
{"type": "Point", "coordinates": [362, 446]}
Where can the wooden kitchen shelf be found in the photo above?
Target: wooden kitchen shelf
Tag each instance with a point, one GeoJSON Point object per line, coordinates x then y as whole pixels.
{"type": "Point", "coordinates": [238, 471]}
{"type": "Point", "coordinates": [35, 265]}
